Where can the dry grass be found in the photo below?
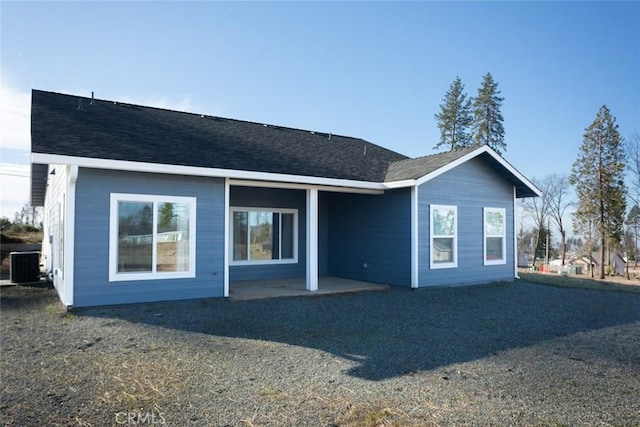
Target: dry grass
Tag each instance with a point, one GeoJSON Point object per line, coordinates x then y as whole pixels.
{"type": "Point", "coordinates": [22, 237]}
{"type": "Point", "coordinates": [376, 414]}
{"type": "Point", "coordinates": [615, 283]}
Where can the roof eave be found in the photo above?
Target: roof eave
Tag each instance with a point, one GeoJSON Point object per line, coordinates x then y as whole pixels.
{"type": "Point", "coordinates": [124, 165]}
{"type": "Point", "coordinates": [38, 183]}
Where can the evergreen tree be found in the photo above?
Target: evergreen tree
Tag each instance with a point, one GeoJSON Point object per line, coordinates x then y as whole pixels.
{"type": "Point", "coordinates": [598, 178]}
{"type": "Point", "coordinates": [454, 118]}
{"type": "Point", "coordinates": [166, 222]}
{"type": "Point", "coordinates": [487, 118]}
{"type": "Point", "coordinates": [544, 236]}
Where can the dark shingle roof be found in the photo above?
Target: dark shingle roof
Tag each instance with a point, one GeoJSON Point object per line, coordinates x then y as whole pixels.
{"type": "Point", "coordinates": [76, 126]}
{"type": "Point", "coordinates": [421, 166]}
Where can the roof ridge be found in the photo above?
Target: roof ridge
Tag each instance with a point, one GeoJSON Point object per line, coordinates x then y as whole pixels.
{"type": "Point", "coordinates": [209, 116]}
{"type": "Point", "coordinates": [158, 135]}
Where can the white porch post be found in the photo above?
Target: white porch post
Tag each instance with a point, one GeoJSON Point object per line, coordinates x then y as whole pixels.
{"type": "Point", "coordinates": [515, 236]}
{"type": "Point", "coordinates": [414, 237]}
{"type": "Point", "coordinates": [69, 221]}
{"type": "Point", "coordinates": [227, 239]}
{"type": "Point", "coordinates": [312, 239]}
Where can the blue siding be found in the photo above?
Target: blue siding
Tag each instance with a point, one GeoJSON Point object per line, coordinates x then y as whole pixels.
{"type": "Point", "coordinates": [91, 284]}
{"type": "Point", "coordinates": [323, 234]}
{"type": "Point", "coordinates": [272, 198]}
{"type": "Point", "coordinates": [471, 187]}
{"type": "Point", "coordinates": [371, 229]}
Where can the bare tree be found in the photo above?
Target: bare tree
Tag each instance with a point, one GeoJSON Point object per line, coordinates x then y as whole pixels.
{"type": "Point", "coordinates": [632, 152]}
{"type": "Point", "coordinates": [28, 215]}
{"type": "Point", "coordinates": [557, 188]}
{"type": "Point", "coordinates": [538, 209]}
{"type": "Point", "coordinates": [633, 227]}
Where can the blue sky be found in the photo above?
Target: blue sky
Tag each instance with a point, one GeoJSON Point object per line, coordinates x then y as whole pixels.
{"type": "Point", "coordinates": [374, 70]}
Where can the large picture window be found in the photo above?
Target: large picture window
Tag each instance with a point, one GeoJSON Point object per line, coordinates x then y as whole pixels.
{"type": "Point", "coordinates": [495, 238]}
{"type": "Point", "coordinates": [261, 236]}
{"type": "Point", "coordinates": [444, 230]}
{"type": "Point", "coordinates": [151, 237]}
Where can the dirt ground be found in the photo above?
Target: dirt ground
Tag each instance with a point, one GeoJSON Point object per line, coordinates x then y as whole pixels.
{"type": "Point", "coordinates": [517, 354]}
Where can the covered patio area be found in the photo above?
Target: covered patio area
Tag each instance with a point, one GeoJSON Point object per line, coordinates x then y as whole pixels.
{"type": "Point", "coordinates": [258, 289]}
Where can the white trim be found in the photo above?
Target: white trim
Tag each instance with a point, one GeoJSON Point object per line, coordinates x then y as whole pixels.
{"type": "Point", "coordinates": [485, 235]}
{"type": "Point", "coordinates": [414, 238]}
{"type": "Point", "coordinates": [295, 186]}
{"type": "Point", "coordinates": [400, 184]}
{"type": "Point", "coordinates": [114, 275]}
{"type": "Point", "coordinates": [226, 238]}
{"type": "Point", "coordinates": [293, 260]}
{"type": "Point", "coordinates": [515, 236]}
{"type": "Point", "coordinates": [471, 155]}
{"type": "Point", "coordinates": [200, 171]}
{"type": "Point", "coordinates": [437, 265]}
{"type": "Point", "coordinates": [284, 179]}
{"type": "Point", "coordinates": [312, 239]}
{"type": "Point", "coordinates": [69, 235]}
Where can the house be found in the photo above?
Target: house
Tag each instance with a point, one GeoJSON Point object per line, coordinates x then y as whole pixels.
{"type": "Point", "coordinates": [617, 263]}
{"type": "Point", "coordinates": [144, 204]}
{"type": "Point", "coordinates": [525, 259]}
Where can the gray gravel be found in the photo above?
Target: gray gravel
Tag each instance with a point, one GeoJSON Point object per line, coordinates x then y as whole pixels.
{"type": "Point", "coordinates": [502, 354]}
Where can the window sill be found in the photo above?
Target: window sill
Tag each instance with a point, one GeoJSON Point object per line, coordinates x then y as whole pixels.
{"type": "Point", "coordinates": [443, 265]}
{"type": "Point", "coordinates": [263, 262]}
{"type": "Point", "coordinates": [133, 277]}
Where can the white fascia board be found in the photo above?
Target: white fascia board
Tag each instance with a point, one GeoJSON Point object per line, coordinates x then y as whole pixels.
{"type": "Point", "coordinates": [475, 153]}
{"type": "Point", "coordinates": [297, 186]}
{"type": "Point", "coordinates": [400, 184]}
{"type": "Point", "coordinates": [124, 165]}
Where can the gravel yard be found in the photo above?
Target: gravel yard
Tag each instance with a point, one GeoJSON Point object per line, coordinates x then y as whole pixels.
{"type": "Point", "coordinates": [501, 354]}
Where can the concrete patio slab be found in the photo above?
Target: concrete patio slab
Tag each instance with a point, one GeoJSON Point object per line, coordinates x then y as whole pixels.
{"type": "Point", "coordinates": [258, 289]}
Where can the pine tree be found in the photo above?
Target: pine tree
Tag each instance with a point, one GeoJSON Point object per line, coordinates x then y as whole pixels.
{"type": "Point", "coordinates": [598, 178]}
{"type": "Point", "coordinates": [487, 118]}
{"type": "Point", "coordinates": [454, 118]}
{"type": "Point", "coordinates": [167, 217]}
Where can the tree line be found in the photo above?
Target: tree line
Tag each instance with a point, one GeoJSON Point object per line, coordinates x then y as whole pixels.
{"type": "Point", "coordinates": [27, 219]}
{"type": "Point", "coordinates": [465, 121]}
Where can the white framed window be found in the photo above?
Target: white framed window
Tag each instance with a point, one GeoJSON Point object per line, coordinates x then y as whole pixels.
{"type": "Point", "coordinates": [444, 236]}
{"type": "Point", "coordinates": [263, 236]}
{"type": "Point", "coordinates": [495, 236]}
{"type": "Point", "coordinates": [151, 237]}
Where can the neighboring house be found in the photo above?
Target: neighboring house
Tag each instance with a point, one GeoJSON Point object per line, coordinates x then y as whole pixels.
{"type": "Point", "coordinates": [586, 262]}
{"type": "Point", "coordinates": [618, 263]}
{"type": "Point", "coordinates": [525, 260]}
{"type": "Point", "coordinates": [145, 204]}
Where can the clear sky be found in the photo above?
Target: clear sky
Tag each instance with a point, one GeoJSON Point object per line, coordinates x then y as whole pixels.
{"type": "Point", "coordinates": [374, 70]}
